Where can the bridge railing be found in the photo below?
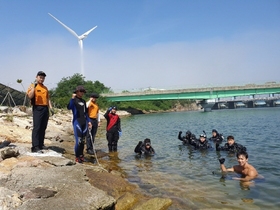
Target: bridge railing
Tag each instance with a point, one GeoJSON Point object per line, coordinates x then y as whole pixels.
{"type": "Point", "coordinates": [190, 90]}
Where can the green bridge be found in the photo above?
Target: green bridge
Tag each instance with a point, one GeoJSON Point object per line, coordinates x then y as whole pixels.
{"type": "Point", "coordinates": [197, 93]}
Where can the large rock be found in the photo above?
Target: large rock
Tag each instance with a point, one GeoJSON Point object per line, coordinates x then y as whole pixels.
{"type": "Point", "coordinates": [112, 184]}
{"type": "Point", "coordinates": [8, 153]}
{"type": "Point", "coordinates": [9, 199]}
{"type": "Point", "coordinates": [50, 187]}
{"type": "Point", "coordinates": [126, 201]}
{"type": "Point", "coordinates": [155, 204]}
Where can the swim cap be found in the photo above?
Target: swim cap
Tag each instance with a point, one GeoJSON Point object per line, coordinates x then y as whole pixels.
{"type": "Point", "coordinates": [147, 141]}
{"type": "Point", "coordinates": [188, 133]}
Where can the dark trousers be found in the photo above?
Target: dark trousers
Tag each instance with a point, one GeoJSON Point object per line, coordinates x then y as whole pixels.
{"type": "Point", "coordinates": [112, 138]}
{"type": "Point", "coordinates": [93, 133]}
{"type": "Point", "coordinates": [40, 123]}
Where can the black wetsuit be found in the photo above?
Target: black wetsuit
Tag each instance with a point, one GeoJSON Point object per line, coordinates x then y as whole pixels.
{"type": "Point", "coordinates": [80, 123]}
{"type": "Point", "coordinates": [200, 145]}
{"type": "Point", "coordinates": [217, 139]}
{"type": "Point", "coordinates": [185, 139]}
{"type": "Point", "coordinates": [141, 148]}
{"type": "Point", "coordinates": [234, 148]}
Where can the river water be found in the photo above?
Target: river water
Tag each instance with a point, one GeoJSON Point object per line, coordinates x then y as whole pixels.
{"type": "Point", "coordinates": [192, 178]}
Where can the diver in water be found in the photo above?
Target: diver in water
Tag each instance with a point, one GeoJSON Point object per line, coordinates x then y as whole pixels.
{"type": "Point", "coordinates": [187, 138]}
{"type": "Point", "coordinates": [230, 146]}
{"type": "Point", "coordinates": [217, 138]}
{"type": "Point", "coordinates": [144, 147]}
{"type": "Point", "coordinates": [201, 143]}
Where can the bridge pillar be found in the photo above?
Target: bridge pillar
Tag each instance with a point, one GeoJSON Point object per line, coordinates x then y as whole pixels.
{"type": "Point", "coordinates": [216, 106]}
{"type": "Point", "coordinates": [231, 105]}
{"type": "Point", "coordinates": [250, 104]}
{"type": "Point", "coordinates": [271, 103]}
{"type": "Point", "coordinates": [207, 104]}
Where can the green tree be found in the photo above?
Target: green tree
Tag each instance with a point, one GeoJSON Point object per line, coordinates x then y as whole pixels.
{"type": "Point", "coordinates": [61, 95]}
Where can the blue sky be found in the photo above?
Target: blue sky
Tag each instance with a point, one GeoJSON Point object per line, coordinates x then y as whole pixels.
{"type": "Point", "coordinates": [166, 44]}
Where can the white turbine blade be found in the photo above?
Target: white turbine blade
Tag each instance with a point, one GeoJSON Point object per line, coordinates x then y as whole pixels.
{"type": "Point", "coordinates": [65, 26]}
{"type": "Point", "coordinates": [84, 35]}
{"type": "Point", "coordinates": [87, 33]}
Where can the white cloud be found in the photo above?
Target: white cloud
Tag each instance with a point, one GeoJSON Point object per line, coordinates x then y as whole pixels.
{"type": "Point", "coordinates": [245, 58]}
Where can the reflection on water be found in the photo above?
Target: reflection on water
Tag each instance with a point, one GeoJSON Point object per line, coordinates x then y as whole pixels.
{"type": "Point", "coordinates": [192, 178]}
{"type": "Point", "coordinates": [143, 162]}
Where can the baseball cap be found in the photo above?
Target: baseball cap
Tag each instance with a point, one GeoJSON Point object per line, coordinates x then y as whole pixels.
{"type": "Point", "coordinates": [80, 88]}
{"type": "Point", "coordinates": [41, 73]}
{"type": "Point", "coordinates": [94, 95]}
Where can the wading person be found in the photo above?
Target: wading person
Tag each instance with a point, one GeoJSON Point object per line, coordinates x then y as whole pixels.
{"type": "Point", "coordinates": [144, 147]}
{"type": "Point", "coordinates": [93, 113]}
{"type": "Point", "coordinates": [216, 137]}
{"type": "Point", "coordinates": [185, 139]}
{"type": "Point", "coordinates": [41, 106]}
{"type": "Point", "coordinates": [201, 143]}
{"type": "Point", "coordinates": [231, 146]}
{"type": "Point", "coordinates": [247, 171]}
{"type": "Point", "coordinates": [81, 121]}
{"type": "Point", "coordinates": [113, 128]}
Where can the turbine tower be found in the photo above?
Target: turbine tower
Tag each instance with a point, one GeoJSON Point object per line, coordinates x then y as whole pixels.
{"type": "Point", "coordinates": [80, 39]}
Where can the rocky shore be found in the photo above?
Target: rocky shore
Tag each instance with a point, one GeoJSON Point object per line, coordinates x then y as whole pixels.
{"type": "Point", "coordinates": [53, 180]}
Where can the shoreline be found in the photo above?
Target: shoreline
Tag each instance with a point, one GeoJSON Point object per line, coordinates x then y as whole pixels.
{"type": "Point", "coordinates": [119, 192]}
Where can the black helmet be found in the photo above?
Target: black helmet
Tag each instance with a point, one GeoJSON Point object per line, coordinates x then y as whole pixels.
{"type": "Point", "coordinates": [214, 130]}
{"type": "Point", "coordinates": [147, 141]}
{"type": "Point", "coordinates": [188, 133]}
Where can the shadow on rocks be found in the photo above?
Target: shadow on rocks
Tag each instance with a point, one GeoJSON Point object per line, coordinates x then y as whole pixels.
{"type": "Point", "coordinates": [57, 149]}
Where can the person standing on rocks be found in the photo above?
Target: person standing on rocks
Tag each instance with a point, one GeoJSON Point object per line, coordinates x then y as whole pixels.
{"type": "Point", "coordinates": [113, 128]}
{"type": "Point", "coordinates": [81, 121]}
{"type": "Point", "coordinates": [93, 113]}
{"type": "Point", "coordinates": [41, 106]}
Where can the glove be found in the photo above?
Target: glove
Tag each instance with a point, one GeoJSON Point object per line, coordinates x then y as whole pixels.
{"type": "Point", "coordinates": [120, 133]}
{"type": "Point", "coordinates": [222, 160]}
{"type": "Point", "coordinates": [180, 132]}
{"type": "Point", "coordinates": [109, 109]}
{"type": "Point", "coordinates": [140, 143]}
{"type": "Point", "coordinates": [52, 112]}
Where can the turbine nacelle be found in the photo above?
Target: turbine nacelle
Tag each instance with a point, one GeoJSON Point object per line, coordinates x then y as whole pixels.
{"type": "Point", "coordinates": [83, 36]}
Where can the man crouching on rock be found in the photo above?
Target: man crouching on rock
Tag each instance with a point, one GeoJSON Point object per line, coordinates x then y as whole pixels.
{"type": "Point", "coordinates": [80, 121]}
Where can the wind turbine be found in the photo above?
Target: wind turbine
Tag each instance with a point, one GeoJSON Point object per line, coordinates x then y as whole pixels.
{"type": "Point", "coordinates": [80, 38]}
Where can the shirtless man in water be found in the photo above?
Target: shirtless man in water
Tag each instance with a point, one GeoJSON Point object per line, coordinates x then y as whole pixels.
{"type": "Point", "coordinates": [247, 171]}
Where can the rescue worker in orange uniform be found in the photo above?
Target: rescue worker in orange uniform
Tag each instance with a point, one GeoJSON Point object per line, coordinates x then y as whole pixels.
{"type": "Point", "coordinates": [93, 113]}
{"type": "Point", "coordinates": [41, 106]}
